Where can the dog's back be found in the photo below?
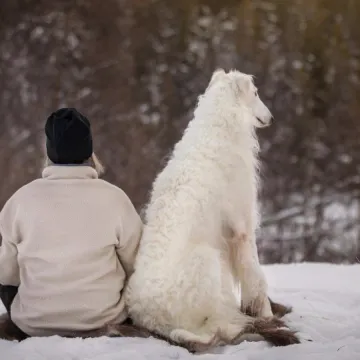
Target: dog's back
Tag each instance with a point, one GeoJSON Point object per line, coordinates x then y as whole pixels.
{"type": "Point", "coordinates": [178, 261]}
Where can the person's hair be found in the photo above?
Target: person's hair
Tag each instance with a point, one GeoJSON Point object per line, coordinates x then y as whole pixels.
{"type": "Point", "coordinates": [96, 163]}
{"type": "Point", "coordinates": [92, 161]}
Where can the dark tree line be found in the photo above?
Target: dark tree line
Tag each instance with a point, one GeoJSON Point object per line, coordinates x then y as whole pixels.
{"type": "Point", "coordinates": [136, 67]}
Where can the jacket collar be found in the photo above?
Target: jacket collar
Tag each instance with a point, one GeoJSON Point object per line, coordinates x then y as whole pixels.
{"type": "Point", "coordinates": [55, 172]}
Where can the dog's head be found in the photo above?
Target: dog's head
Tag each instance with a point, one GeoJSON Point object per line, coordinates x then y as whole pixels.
{"type": "Point", "coordinates": [245, 93]}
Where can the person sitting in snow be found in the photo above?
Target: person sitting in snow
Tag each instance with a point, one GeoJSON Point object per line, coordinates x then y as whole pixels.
{"type": "Point", "coordinates": [69, 240]}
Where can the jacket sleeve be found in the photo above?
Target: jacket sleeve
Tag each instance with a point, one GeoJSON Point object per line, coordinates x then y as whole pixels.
{"type": "Point", "coordinates": [130, 231]}
{"type": "Point", "coordinates": [9, 268]}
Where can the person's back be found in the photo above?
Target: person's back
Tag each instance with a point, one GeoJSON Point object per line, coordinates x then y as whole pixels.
{"type": "Point", "coordinates": [69, 243]}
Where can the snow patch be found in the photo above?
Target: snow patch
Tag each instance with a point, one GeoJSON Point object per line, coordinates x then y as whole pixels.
{"type": "Point", "coordinates": [326, 312]}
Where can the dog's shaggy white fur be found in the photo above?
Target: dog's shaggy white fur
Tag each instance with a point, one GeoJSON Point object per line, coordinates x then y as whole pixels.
{"type": "Point", "coordinates": [199, 235]}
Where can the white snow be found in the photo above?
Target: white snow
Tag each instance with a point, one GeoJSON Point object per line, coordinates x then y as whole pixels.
{"type": "Point", "coordinates": [326, 302]}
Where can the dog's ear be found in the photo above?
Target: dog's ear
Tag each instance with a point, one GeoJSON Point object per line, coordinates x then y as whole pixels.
{"type": "Point", "coordinates": [217, 74]}
{"type": "Point", "coordinates": [244, 84]}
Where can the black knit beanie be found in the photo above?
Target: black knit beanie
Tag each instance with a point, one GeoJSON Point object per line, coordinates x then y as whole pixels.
{"type": "Point", "coordinates": [68, 137]}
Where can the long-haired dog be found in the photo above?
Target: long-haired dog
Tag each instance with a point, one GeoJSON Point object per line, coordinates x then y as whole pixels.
{"type": "Point", "coordinates": [198, 243]}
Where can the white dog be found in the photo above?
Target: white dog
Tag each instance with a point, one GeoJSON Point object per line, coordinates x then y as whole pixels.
{"type": "Point", "coordinates": [199, 237]}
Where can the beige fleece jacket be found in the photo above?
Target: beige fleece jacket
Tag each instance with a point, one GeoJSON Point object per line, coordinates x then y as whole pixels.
{"type": "Point", "coordinates": [69, 241]}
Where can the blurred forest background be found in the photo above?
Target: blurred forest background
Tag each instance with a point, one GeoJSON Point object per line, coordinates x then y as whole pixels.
{"type": "Point", "coordinates": [136, 67]}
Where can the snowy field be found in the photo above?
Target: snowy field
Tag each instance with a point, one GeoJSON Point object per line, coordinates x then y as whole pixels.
{"type": "Point", "coordinates": [326, 301]}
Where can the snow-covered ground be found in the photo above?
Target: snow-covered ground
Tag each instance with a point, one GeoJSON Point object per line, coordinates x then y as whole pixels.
{"type": "Point", "coordinates": [326, 301]}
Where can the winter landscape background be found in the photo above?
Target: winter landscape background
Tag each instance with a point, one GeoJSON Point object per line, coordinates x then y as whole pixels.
{"type": "Point", "coordinates": [136, 67]}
